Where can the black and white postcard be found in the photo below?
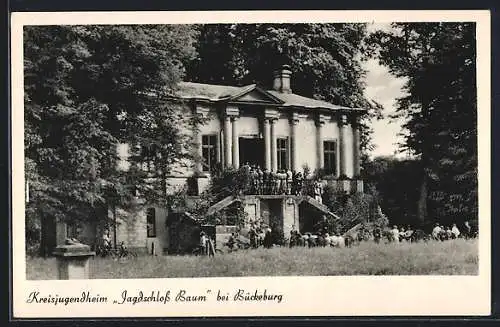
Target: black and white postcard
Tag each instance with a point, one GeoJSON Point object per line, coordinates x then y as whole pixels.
{"type": "Point", "coordinates": [273, 163]}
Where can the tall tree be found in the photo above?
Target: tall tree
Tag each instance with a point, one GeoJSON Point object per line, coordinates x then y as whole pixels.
{"type": "Point", "coordinates": [325, 59]}
{"type": "Point", "coordinates": [439, 62]}
{"type": "Point", "coordinates": [88, 88]}
{"type": "Point", "coordinates": [397, 200]}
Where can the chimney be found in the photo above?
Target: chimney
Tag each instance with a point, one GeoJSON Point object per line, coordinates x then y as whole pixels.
{"type": "Point", "coordinates": [281, 82]}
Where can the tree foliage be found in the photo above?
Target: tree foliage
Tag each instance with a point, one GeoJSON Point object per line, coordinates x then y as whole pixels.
{"type": "Point", "coordinates": [397, 184]}
{"type": "Point", "coordinates": [325, 60]}
{"type": "Point", "coordinates": [439, 62]}
{"type": "Point", "coordinates": [88, 88]}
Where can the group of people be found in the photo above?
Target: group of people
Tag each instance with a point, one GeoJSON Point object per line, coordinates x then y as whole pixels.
{"type": "Point", "coordinates": [257, 236]}
{"type": "Point", "coordinates": [105, 246]}
{"type": "Point", "coordinates": [321, 238]}
{"type": "Point", "coordinates": [267, 237]}
{"type": "Point", "coordinates": [441, 233]}
{"type": "Point", "coordinates": [400, 234]}
{"type": "Point", "coordinates": [206, 244]}
{"type": "Point", "coordinates": [264, 181]}
{"type": "Point", "coordinates": [262, 235]}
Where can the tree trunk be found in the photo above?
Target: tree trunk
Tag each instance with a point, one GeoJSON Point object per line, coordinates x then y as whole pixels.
{"type": "Point", "coordinates": [422, 201]}
{"type": "Point", "coordinates": [114, 227]}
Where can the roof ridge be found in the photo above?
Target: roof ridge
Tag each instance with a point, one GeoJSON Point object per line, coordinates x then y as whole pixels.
{"type": "Point", "coordinates": [243, 90]}
{"type": "Point", "coordinates": [210, 84]}
{"type": "Point", "coordinates": [219, 92]}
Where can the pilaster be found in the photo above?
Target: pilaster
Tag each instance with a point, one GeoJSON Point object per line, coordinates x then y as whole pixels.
{"type": "Point", "coordinates": [342, 122]}
{"type": "Point", "coordinates": [320, 122]}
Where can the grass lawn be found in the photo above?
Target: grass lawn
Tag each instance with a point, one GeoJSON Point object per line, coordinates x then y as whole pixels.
{"type": "Point", "coordinates": [457, 257]}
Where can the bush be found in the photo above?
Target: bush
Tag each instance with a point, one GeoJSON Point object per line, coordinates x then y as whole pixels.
{"type": "Point", "coordinates": [229, 182]}
{"type": "Point", "coordinates": [352, 209]}
{"type": "Point", "coordinates": [33, 228]}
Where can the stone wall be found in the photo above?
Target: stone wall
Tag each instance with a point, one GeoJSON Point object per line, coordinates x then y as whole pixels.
{"type": "Point", "coordinates": [249, 126]}
{"type": "Point", "coordinates": [306, 143]}
{"type": "Point", "coordinates": [158, 244]}
{"type": "Point", "coordinates": [131, 228]}
{"type": "Point", "coordinates": [290, 215]}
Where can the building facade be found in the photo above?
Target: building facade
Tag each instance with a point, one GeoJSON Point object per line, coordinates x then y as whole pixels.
{"type": "Point", "coordinates": [274, 129]}
{"type": "Point", "coordinates": [270, 129]}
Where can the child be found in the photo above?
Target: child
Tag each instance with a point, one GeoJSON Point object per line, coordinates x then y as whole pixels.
{"type": "Point", "coordinates": [455, 232]}
{"type": "Point", "coordinates": [203, 243]}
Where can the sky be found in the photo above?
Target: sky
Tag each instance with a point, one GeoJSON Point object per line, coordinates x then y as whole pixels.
{"type": "Point", "coordinates": [384, 88]}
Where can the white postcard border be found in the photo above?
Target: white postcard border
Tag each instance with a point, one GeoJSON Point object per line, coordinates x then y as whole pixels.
{"type": "Point", "coordinates": [302, 296]}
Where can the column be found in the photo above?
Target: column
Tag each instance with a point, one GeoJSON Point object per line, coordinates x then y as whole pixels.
{"type": "Point", "coordinates": [294, 155]}
{"type": "Point", "coordinates": [267, 144]}
{"type": "Point", "coordinates": [356, 147]}
{"type": "Point", "coordinates": [227, 142]}
{"type": "Point", "coordinates": [218, 148]}
{"type": "Point", "coordinates": [236, 143]}
{"type": "Point", "coordinates": [319, 143]}
{"type": "Point", "coordinates": [342, 121]}
{"type": "Point", "coordinates": [274, 160]}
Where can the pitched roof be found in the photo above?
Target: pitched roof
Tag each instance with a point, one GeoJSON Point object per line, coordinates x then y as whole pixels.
{"type": "Point", "coordinates": [290, 99]}
{"type": "Point", "coordinates": [210, 92]}
{"type": "Point", "coordinates": [215, 93]}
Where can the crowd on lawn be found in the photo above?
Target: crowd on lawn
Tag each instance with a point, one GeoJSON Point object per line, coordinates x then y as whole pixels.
{"type": "Point", "coordinates": [268, 238]}
{"type": "Point", "coordinates": [439, 233]}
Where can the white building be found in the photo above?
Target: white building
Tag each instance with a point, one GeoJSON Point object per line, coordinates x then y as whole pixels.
{"type": "Point", "coordinates": [274, 129]}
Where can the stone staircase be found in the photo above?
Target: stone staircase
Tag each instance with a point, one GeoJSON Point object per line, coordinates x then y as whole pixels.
{"type": "Point", "coordinates": [319, 206]}
{"type": "Point", "coordinates": [227, 201]}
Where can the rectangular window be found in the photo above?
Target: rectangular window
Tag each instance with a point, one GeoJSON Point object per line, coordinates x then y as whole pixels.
{"type": "Point", "coordinates": [148, 153]}
{"type": "Point", "coordinates": [282, 153]}
{"type": "Point", "coordinates": [73, 230]}
{"type": "Point", "coordinates": [209, 152]}
{"type": "Point", "coordinates": [151, 222]}
{"type": "Point", "coordinates": [330, 157]}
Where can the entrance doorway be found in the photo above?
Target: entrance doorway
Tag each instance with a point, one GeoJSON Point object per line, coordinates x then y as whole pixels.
{"type": "Point", "coordinates": [271, 212]}
{"type": "Point", "coordinates": [252, 151]}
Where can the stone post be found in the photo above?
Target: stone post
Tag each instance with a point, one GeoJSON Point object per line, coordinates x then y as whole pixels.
{"type": "Point", "coordinates": [73, 261]}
